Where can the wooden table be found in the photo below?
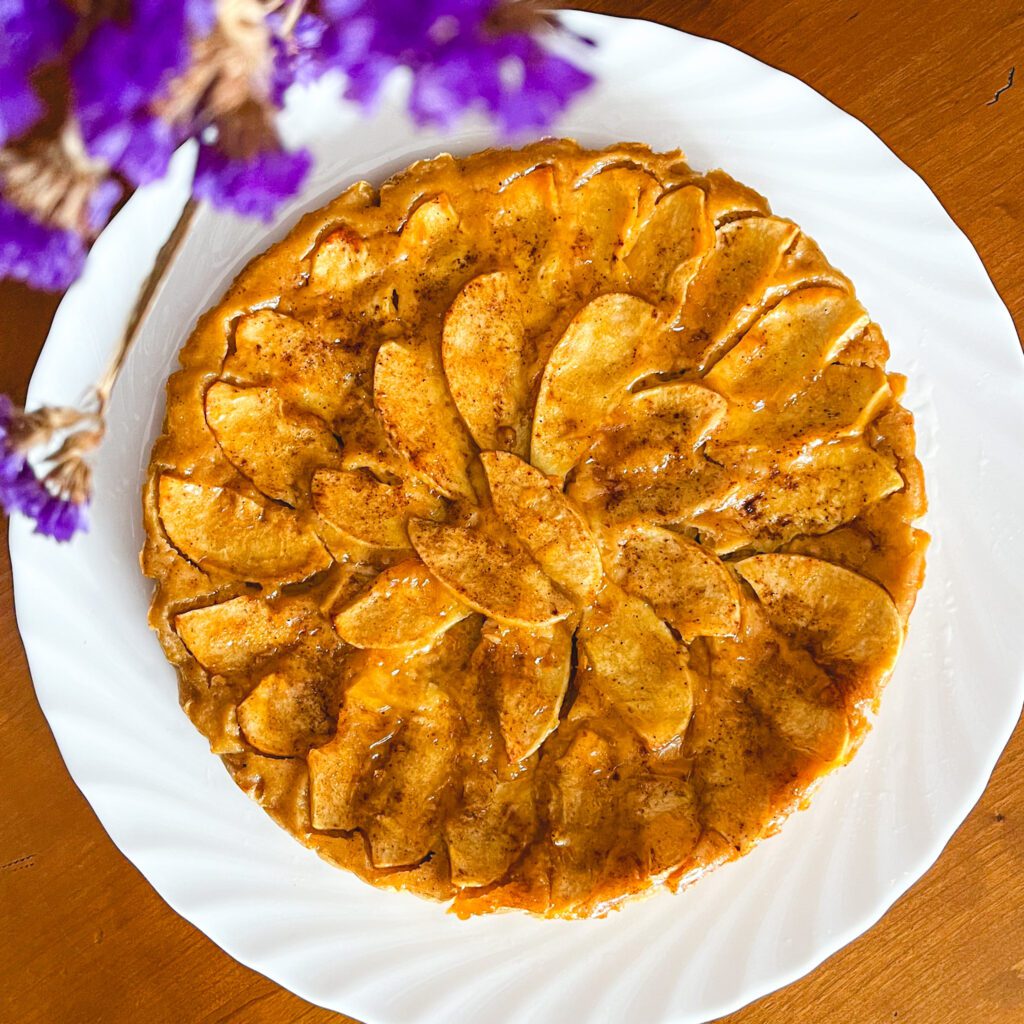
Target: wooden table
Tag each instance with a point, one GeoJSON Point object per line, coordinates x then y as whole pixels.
{"type": "Point", "coordinates": [84, 939]}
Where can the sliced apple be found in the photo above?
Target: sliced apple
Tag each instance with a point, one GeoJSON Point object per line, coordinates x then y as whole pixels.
{"type": "Point", "coordinates": [841, 615]}
{"type": "Point", "coordinates": [496, 820]}
{"type": "Point", "coordinates": [388, 766]}
{"type": "Point", "coordinates": [484, 362]}
{"type": "Point", "coordinates": [227, 637]}
{"type": "Point", "coordinates": [789, 345]}
{"type": "Point", "coordinates": [839, 402]}
{"type": "Point", "coordinates": [607, 347]}
{"type": "Point", "coordinates": [728, 289]}
{"type": "Point", "coordinates": [586, 809]}
{"type": "Point", "coordinates": [277, 449]}
{"type": "Point", "coordinates": [541, 516]}
{"type": "Point", "coordinates": [343, 259]}
{"type": "Point", "coordinates": [804, 264]}
{"type": "Point", "coordinates": [687, 586]}
{"type": "Point", "coordinates": [525, 220]}
{"type": "Point", "coordinates": [684, 489]}
{"type": "Point", "coordinates": [528, 671]}
{"type": "Point", "coordinates": [657, 425]}
{"type": "Point", "coordinates": [309, 372]}
{"type": "Point", "coordinates": [219, 529]}
{"type": "Point", "coordinates": [819, 491]}
{"type": "Point", "coordinates": [430, 223]}
{"type": "Point", "coordinates": [725, 197]}
{"type": "Point", "coordinates": [668, 246]}
{"type": "Point", "coordinates": [355, 502]}
{"type": "Point", "coordinates": [633, 659]}
{"type": "Point", "coordinates": [285, 715]}
{"type": "Point", "coordinates": [490, 573]}
{"type": "Point", "coordinates": [405, 605]}
{"type": "Point", "coordinates": [666, 810]}
{"type": "Point", "coordinates": [610, 204]}
{"type": "Point", "coordinates": [418, 413]}
{"type": "Point", "coordinates": [784, 684]}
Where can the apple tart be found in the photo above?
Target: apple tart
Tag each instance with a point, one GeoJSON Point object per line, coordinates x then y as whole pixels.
{"type": "Point", "coordinates": [536, 529]}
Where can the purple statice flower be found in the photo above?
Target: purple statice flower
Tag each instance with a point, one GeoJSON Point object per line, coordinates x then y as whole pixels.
{"type": "Point", "coordinates": [103, 199]}
{"type": "Point", "coordinates": [23, 492]}
{"type": "Point", "coordinates": [31, 33]}
{"type": "Point", "coordinates": [301, 57]}
{"type": "Point", "coordinates": [58, 517]}
{"type": "Point", "coordinates": [201, 16]}
{"type": "Point", "coordinates": [253, 187]}
{"type": "Point", "coordinates": [459, 62]}
{"type": "Point", "coordinates": [45, 257]}
{"type": "Point", "coordinates": [120, 71]}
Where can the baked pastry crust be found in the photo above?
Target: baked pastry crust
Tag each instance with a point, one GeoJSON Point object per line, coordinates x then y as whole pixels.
{"type": "Point", "coordinates": [536, 530]}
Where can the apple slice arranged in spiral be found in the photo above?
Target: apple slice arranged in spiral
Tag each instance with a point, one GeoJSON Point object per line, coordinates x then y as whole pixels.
{"type": "Point", "coordinates": [226, 637]}
{"type": "Point", "coordinates": [404, 605]}
{"type": "Point", "coordinates": [285, 715]}
{"type": "Point", "coordinates": [388, 766]}
{"type": "Point", "coordinates": [222, 530]}
{"type": "Point", "coordinates": [422, 421]}
{"type": "Point", "coordinates": [607, 348]}
{"type": "Point", "coordinates": [829, 486]}
{"type": "Point", "coordinates": [657, 426]}
{"type": "Point", "coordinates": [495, 822]}
{"type": "Point", "coordinates": [276, 448]}
{"type": "Point", "coordinates": [839, 402]}
{"type": "Point", "coordinates": [726, 293]}
{"type": "Point", "coordinates": [636, 663]}
{"type": "Point", "coordinates": [368, 510]}
{"type": "Point", "coordinates": [492, 574]}
{"type": "Point", "coordinates": [842, 616]}
{"type": "Point", "coordinates": [305, 369]}
{"type": "Point", "coordinates": [670, 244]}
{"type": "Point", "coordinates": [790, 344]}
{"type": "Point", "coordinates": [484, 362]}
{"type": "Point", "coordinates": [541, 516]}
{"type": "Point", "coordinates": [686, 585]}
{"type": "Point", "coordinates": [528, 671]}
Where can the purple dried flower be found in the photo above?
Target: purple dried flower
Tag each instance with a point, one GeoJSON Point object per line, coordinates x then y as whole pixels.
{"type": "Point", "coordinates": [547, 84]}
{"type": "Point", "coordinates": [59, 518]}
{"type": "Point", "coordinates": [254, 187]}
{"type": "Point", "coordinates": [460, 57]}
{"type": "Point", "coordinates": [201, 16]}
{"type": "Point", "coordinates": [48, 258]}
{"type": "Point", "coordinates": [22, 491]}
{"type": "Point", "coordinates": [299, 57]}
{"type": "Point", "coordinates": [20, 107]}
{"type": "Point", "coordinates": [103, 199]}
{"type": "Point", "coordinates": [31, 32]}
{"type": "Point", "coordinates": [121, 70]}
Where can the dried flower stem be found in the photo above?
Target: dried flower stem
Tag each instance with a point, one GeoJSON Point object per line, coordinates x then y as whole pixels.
{"type": "Point", "coordinates": [143, 304]}
{"type": "Point", "coordinates": [68, 476]}
{"type": "Point", "coordinates": [294, 13]}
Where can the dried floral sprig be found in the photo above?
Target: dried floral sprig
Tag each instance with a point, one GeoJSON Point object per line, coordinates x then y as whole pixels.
{"type": "Point", "coordinates": [147, 75]}
{"type": "Point", "coordinates": [44, 469]}
{"type": "Point", "coordinates": [57, 499]}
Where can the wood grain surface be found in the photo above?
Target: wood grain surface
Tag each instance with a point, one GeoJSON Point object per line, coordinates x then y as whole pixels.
{"type": "Point", "coordinates": [84, 939]}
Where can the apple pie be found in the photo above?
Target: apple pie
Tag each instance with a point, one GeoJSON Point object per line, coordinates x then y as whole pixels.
{"type": "Point", "coordinates": [537, 529]}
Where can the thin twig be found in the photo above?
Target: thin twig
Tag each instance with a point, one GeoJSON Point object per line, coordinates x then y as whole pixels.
{"type": "Point", "coordinates": [143, 304]}
{"type": "Point", "coordinates": [291, 17]}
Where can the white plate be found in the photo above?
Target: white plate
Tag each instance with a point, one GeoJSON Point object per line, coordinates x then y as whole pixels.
{"type": "Point", "coordinates": [873, 828]}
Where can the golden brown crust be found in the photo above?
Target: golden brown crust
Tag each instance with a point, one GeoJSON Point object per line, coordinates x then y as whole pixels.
{"type": "Point", "coordinates": [724, 390]}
